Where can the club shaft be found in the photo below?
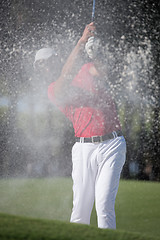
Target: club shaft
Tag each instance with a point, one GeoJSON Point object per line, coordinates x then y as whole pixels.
{"type": "Point", "coordinates": [93, 10]}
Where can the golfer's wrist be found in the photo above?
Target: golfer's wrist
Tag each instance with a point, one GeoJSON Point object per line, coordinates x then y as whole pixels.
{"type": "Point", "coordinates": [81, 42]}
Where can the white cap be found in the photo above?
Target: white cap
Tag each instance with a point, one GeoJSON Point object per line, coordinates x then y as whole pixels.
{"type": "Point", "coordinates": [44, 53]}
{"type": "Point", "coordinates": [92, 47]}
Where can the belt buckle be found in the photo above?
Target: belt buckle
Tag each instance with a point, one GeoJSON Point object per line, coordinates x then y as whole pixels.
{"type": "Point", "coordinates": [100, 137]}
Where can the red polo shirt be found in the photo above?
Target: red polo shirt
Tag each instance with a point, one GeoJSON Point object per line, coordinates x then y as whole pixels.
{"type": "Point", "coordinates": [92, 112]}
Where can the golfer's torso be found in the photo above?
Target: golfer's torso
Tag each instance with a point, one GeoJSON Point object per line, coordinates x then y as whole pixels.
{"type": "Point", "coordinates": [97, 120]}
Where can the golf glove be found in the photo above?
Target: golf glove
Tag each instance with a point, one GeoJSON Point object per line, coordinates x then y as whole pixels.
{"type": "Point", "coordinates": [92, 47]}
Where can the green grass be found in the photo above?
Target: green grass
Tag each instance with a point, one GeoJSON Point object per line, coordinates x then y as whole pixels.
{"type": "Point", "coordinates": [20, 228]}
{"type": "Point", "coordinates": [137, 203]}
{"type": "Point", "coordinates": [40, 198]}
{"type": "Point", "coordinates": [138, 207]}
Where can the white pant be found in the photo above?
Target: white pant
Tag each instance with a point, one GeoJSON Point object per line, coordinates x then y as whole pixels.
{"type": "Point", "coordinates": [96, 173]}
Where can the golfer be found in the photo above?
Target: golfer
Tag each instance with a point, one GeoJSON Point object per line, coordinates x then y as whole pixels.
{"type": "Point", "coordinates": [99, 152]}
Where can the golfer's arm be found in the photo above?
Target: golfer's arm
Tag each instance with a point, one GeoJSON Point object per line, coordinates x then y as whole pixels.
{"type": "Point", "coordinates": [67, 73]}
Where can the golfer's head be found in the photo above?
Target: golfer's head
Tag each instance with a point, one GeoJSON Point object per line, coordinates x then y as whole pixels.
{"type": "Point", "coordinates": [45, 63]}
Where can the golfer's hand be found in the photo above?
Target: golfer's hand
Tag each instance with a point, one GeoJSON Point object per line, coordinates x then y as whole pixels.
{"type": "Point", "coordinates": [89, 31]}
